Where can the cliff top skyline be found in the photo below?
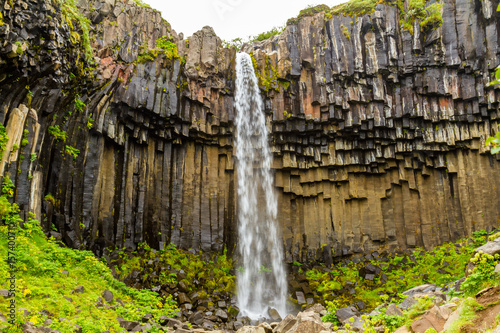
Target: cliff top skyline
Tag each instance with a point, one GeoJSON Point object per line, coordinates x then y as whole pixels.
{"type": "Point", "coordinates": [232, 18]}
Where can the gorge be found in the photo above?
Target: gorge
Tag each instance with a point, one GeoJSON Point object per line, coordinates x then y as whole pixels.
{"type": "Point", "coordinates": [377, 131]}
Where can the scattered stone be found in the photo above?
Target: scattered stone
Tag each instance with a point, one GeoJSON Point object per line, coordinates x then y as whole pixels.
{"type": "Point", "coordinates": [77, 329]}
{"type": "Point", "coordinates": [108, 296]}
{"type": "Point", "coordinates": [274, 314]}
{"type": "Point", "coordinates": [69, 299]}
{"type": "Point", "coordinates": [146, 318]}
{"type": "Point", "coordinates": [221, 304]}
{"type": "Point", "coordinates": [286, 324]}
{"type": "Point", "coordinates": [142, 328]}
{"type": "Point", "coordinates": [183, 298]}
{"type": "Point", "coordinates": [267, 328]}
{"type": "Point", "coordinates": [407, 303]}
{"type": "Point", "coordinates": [251, 329]}
{"type": "Point", "coordinates": [208, 325]}
{"type": "Point", "coordinates": [3, 319]}
{"type": "Point", "coordinates": [196, 318]}
{"type": "Point", "coordinates": [221, 314]}
{"type": "Point", "coordinates": [300, 297]}
{"type": "Point", "coordinates": [79, 289]}
{"type": "Point", "coordinates": [237, 325]}
{"type": "Point", "coordinates": [127, 324]}
{"type": "Point", "coordinates": [425, 288]}
{"type": "Point", "coordinates": [393, 310]}
{"type": "Point", "coordinates": [65, 273]}
{"type": "Point", "coordinates": [497, 268]}
{"type": "Point", "coordinates": [4, 293]}
{"type": "Point", "coordinates": [344, 314]}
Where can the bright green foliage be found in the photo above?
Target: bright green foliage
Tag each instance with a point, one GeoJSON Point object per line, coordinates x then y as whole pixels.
{"type": "Point", "coordinates": [429, 17]}
{"type": "Point", "coordinates": [164, 47]}
{"type": "Point", "coordinates": [494, 141]}
{"type": "Point", "coordinates": [71, 151]}
{"type": "Point", "coordinates": [416, 269]}
{"type": "Point", "coordinates": [50, 198]}
{"type": "Point", "coordinates": [268, 34]}
{"type": "Point", "coordinates": [41, 286]}
{"type": "Point", "coordinates": [72, 14]}
{"type": "Point", "coordinates": [309, 11]}
{"type": "Point", "coordinates": [90, 122]}
{"type": "Point", "coordinates": [268, 76]}
{"type": "Point", "coordinates": [482, 274]}
{"type": "Point", "coordinates": [79, 105]}
{"type": "Point", "coordinates": [237, 43]}
{"type": "Point", "coordinates": [57, 133]}
{"type": "Point", "coordinates": [3, 140]}
{"type": "Point", "coordinates": [215, 271]}
{"type": "Point", "coordinates": [355, 7]}
{"type": "Point", "coordinates": [465, 317]}
{"type": "Point", "coordinates": [142, 3]}
{"type": "Point", "coordinates": [391, 322]}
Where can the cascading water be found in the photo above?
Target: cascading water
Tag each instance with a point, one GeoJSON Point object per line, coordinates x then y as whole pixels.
{"type": "Point", "coordinates": [261, 280]}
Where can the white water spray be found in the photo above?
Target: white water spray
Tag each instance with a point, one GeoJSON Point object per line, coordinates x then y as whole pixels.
{"type": "Point", "coordinates": [261, 280]}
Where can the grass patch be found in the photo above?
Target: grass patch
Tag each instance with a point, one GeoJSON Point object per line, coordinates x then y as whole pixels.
{"type": "Point", "coordinates": [81, 35]}
{"type": "Point", "coordinates": [46, 293]}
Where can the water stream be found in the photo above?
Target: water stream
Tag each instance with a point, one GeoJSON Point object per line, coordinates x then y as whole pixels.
{"type": "Point", "coordinates": [261, 279]}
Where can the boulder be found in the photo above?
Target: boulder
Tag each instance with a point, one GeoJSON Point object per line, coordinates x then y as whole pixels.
{"type": "Point", "coordinates": [79, 289]}
{"type": "Point", "coordinates": [274, 314]}
{"type": "Point", "coordinates": [344, 314]}
{"type": "Point", "coordinates": [221, 314]}
{"type": "Point", "coordinates": [108, 296]}
{"type": "Point", "coordinates": [128, 325]}
{"type": "Point", "coordinates": [266, 327]}
{"type": "Point", "coordinates": [286, 324]}
{"type": "Point", "coordinates": [393, 310]}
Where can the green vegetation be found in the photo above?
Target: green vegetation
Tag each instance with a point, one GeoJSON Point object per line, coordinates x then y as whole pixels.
{"type": "Point", "coordinates": [90, 122]}
{"type": "Point", "coordinates": [72, 14]}
{"type": "Point", "coordinates": [79, 105]}
{"type": "Point", "coordinates": [400, 273]}
{"type": "Point", "coordinates": [142, 4]}
{"type": "Point", "coordinates": [269, 80]}
{"type": "Point", "coordinates": [184, 267]}
{"type": "Point", "coordinates": [429, 15]}
{"type": "Point", "coordinates": [57, 133]}
{"type": "Point", "coordinates": [309, 11]}
{"type": "Point", "coordinates": [3, 140]}
{"type": "Point", "coordinates": [237, 43]}
{"type": "Point", "coordinates": [71, 151]}
{"type": "Point", "coordinates": [355, 7]}
{"type": "Point", "coordinates": [48, 273]}
{"type": "Point", "coordinates": [164, 47]}
{"type": "Point", "coordinates": [268, 34]}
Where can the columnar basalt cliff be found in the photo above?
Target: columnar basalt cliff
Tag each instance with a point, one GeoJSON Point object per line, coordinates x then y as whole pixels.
{"type": "Point", "coordinates": [378, 134]}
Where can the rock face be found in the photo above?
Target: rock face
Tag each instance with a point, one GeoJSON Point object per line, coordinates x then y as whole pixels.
{"type": "Point", "coordinates": [377, 134]}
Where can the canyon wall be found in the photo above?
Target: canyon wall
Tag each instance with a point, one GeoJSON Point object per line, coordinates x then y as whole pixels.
{"type": "Point", "coordinates": [377, 133]}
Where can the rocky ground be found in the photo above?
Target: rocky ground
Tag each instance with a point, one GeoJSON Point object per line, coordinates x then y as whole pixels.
{"type": "Point", "coordinates": [425, 308]}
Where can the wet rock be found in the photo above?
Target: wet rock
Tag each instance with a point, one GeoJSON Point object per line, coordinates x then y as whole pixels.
{"type": "Point", "coordinates": [300, 297]}
{"type": "Point", "coordinates": [274, 314]}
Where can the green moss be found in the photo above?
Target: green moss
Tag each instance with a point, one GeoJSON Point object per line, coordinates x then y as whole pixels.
{"type": "Point", "coordinates": [164, 47]}
{"type": "Point", "coordinates": [269, 80]}
{"type": "Point", "coordinates": [81, 35]}
{"type": "Point", "coordinates": [57, 133]}
{"type": "Point", "coordinates": [43, 290]}
{"type": "Point", "coordinates": [3, 140]}
{"type": "Point", "coordinates": [309, 11]}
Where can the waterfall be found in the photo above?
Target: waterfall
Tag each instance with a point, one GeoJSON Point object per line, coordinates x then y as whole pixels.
{"type": "Point", "coordinates": [261, 278]}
